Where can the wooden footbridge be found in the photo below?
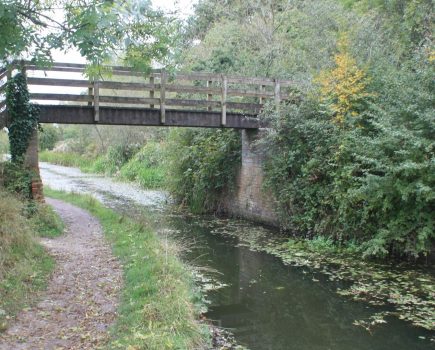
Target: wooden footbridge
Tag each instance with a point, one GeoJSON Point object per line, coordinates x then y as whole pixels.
{"type": "Point", "coordinates": [122, 96]}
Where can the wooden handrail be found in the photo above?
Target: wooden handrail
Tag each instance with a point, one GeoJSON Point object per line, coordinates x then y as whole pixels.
{"type": "Point", "coordinates": [195, 90]}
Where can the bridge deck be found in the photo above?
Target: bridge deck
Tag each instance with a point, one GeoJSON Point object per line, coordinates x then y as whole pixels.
{"type": "Point", "coordinates": [122, 96]}
{"type": "Point", "coordinates": [144, 116]}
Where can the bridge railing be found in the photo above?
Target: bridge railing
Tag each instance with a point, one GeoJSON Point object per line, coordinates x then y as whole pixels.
{"type": "Point", "coordinates": [122, 87]}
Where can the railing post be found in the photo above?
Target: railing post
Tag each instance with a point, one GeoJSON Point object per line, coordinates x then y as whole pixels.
{"type": "Point", "coordinates": [23, 68]}
{"type": "Point", "coordinates": [262, 88]}
{"type": "Point", "coordinates": [152, 90]}
{"type": "Point", "coordinates": [277, 94]}
{"type": "Point", "coordinates": [162, 96]}
{"type": "Point", "coordinates": [224, 100]}
{"type": "Point", "coordinates": [90, 92]}
{"type": "Point", "coordinates": [96, 101]}
{"type": "Point", "coordinates": [209, 96]}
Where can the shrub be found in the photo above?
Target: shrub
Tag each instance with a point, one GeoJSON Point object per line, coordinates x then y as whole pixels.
{"type": "Point", "coordinates": [146, 166]}
{"type": "Point", "coordinates": [202, 164]}
{"type": "Point", "coordinates": [47, 137]}
{"type": "Point", "coordinates": [24, 265]}
{"type": "Point", "coordinates": [369, 179]}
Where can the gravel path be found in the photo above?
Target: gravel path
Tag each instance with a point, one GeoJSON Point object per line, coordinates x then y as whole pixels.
{"type": "Point", "coordinates": [82, 296]}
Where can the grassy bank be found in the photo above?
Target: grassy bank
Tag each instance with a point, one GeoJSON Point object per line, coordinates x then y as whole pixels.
{"type": "Point", "coordinates": [144, 167]}
{"type": "Point", "coordinates": [66, 159]}
{"type": "Point", "coordinates": [159, 303]}
{"type": "Point", "coordinates": [24, 264]}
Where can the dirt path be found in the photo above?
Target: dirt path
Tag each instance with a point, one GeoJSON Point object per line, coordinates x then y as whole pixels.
{"type": "Point", "coordinates": [80, 303]}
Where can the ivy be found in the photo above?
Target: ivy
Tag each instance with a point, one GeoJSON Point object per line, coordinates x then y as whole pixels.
{"type": "Point", "coordinates": [23, 116]}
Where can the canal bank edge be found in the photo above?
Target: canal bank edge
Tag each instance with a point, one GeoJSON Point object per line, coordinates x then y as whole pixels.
{"type": "Point", "coordinates": [159, 302]}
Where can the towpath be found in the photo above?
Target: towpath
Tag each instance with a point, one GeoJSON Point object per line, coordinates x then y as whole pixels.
{"type": "Point", "coordinates": [80, 303]}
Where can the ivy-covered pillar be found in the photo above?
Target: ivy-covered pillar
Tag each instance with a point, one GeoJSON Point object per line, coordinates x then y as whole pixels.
{"type": "Point", "coordinates": [23, 126]}
{"type": "Point", "coordinates": [31, 163]}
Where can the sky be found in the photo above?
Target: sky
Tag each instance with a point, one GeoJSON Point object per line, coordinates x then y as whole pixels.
{"type": "Point", "coordinates": [181, 8]}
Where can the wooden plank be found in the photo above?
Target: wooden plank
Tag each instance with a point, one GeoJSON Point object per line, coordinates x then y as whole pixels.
{"type": "Point", "coordinates": [190, 76]}
{"type": "Point", "coordinates": [128, 86]}
{"type": "Point", "coordinates": [244, 106]}
{"type": "Point", "coordinates": [57, 64]}
{"type": "Point", "coordinates": [56, 69]}
{"type": "Point", "coordinates": [96, 101]}
{"type": "Point", "coordinates": [162, 97]}
{"type": "Point", "coordinates": [58, 82]}
{"type": "Point", "coordinates": [224, 100]}
{"type": "Point", "coordinates": [192, 89]}
{"type": "Point", "coordinates": [141, 86]}
{"type": "Point", "coordinates": [192, 103]}
{"type": "Point", "coordinates": [129, 100]}
{"type": "Point", "coordinates": [258, 81]}
{"type": "Point", "coordinates": [144, 101]}
{"type": "Point", "coordinates": [83, 66]}
{"type": "Point", "coordinates": [250, 93]}
{"type": "Point", "coordinates": [61, 97]}
{"type": "Point", "coordinates": [197, 76]}
{"type": "Point", "coordinates": [80, 70]}
{"type": "Point", "coordinates": [251, 80]}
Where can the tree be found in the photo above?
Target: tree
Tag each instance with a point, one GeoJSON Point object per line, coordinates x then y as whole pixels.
{"type": "Point", "coordinates": [101, 30]}
{"type": "Point", "coordinates": [343, 88]}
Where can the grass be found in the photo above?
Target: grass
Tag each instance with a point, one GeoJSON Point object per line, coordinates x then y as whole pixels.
{"type": "Point", "coordinates": [147, 176]}
{"type": "Point", "coordinates": [46, 222]}
{"type": "Point", "coordinates": [160, 303]}
{"type": "Point", "coordinates": [24, 264]}
{"type": "Point", "coordinates": [65, 159]}
{"type": "Point", "coordinates": [143, 168]}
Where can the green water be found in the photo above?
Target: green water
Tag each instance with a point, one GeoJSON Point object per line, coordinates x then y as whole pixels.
{"type": "Point", "coordinates": [266, 304]}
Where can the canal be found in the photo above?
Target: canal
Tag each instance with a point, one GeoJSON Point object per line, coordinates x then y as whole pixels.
{"type": "Point", "coordinates": [264, 303]}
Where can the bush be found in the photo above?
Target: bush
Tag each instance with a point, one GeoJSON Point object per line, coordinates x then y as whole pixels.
{"type": "Point", "coordinates": [4, 143]}
{"type": "Point", "coordinates": [146, 167]}
{"type": "Point", "coordinates": [370, 179]}
{"type": "Point", "coordinates": [47, 137]}
{"type": "Point", "coordinates": [46, 222]}
{"type": "Point", "coordinates": [111, 162]}
{"type": "Point", "coordinates": [16, 179]}
{"type": "Point", "coordinates": [24, 265]}
{"type": "Point", "coordinates": [202, 165]}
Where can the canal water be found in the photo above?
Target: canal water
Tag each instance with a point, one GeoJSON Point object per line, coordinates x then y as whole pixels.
{"type": "Point", "coordinates": [264, 303]}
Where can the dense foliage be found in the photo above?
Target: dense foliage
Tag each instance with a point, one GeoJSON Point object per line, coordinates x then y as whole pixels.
{"type": "Point", "coordinates": [354, 162]}
{"type": "Point", "coordinates": [25, 266]}
{"type": "Point", "coordinates": [48, 137]}
{"type": "Point", "coordinates": [202, 166]}
{"type": "Point", "coordinates": [100, 30]}
{"type": "Point", "coordinates": [23, 116]}
{"type": "Point", "coordinates": [351, 164]}
{"type": "Point", "coordinates": [358, 166]}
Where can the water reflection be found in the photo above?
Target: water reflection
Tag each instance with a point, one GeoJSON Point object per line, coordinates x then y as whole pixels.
{"type": "Point", "coordinates": [267, 305]}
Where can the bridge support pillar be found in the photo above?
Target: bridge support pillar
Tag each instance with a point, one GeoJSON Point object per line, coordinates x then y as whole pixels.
{"type": "Point", "coordinates": [31, 163]}
{"type": "Point", "coordinates": [250, 200]}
